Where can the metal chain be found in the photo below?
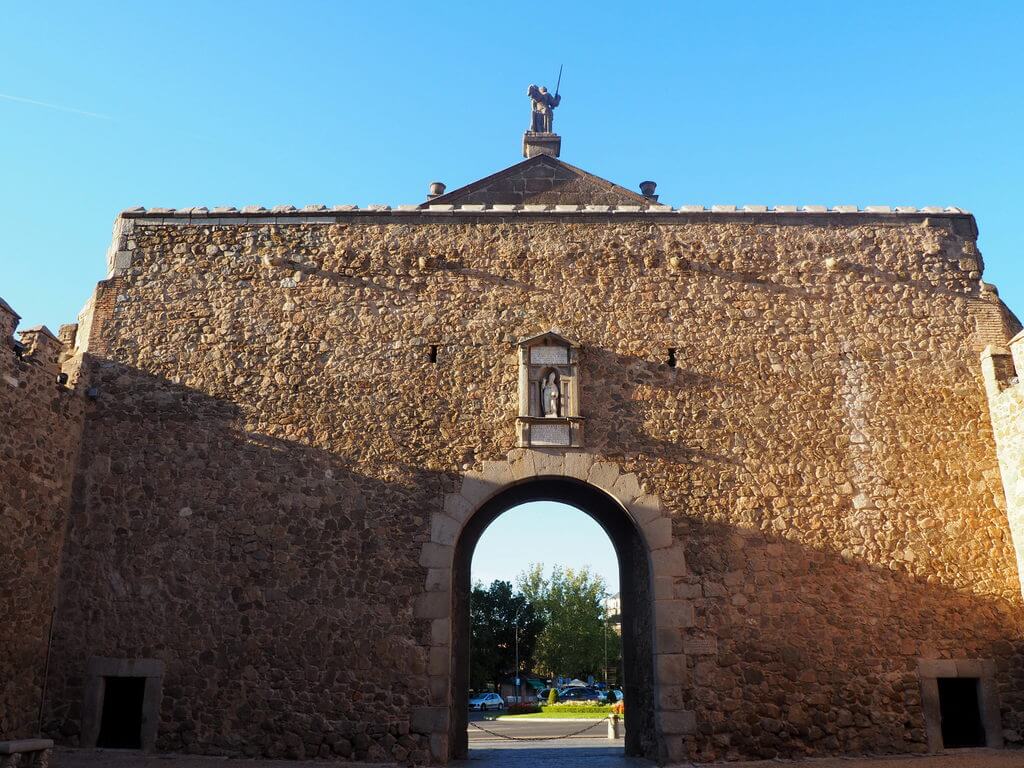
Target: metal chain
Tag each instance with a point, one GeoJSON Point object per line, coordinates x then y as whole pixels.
{"type": "Point", "coordinates": [540, 738]}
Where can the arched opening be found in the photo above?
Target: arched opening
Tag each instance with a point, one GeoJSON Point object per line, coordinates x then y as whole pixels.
{"type": "Point", "coordinates": [636, 603]}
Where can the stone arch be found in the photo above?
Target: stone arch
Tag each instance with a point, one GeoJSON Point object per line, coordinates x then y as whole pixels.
{"type": "Point", "coordinates": [621, 503]}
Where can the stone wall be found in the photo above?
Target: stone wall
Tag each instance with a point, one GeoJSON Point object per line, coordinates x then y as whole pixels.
{"type": "Point", "coordinates": [270, 440]}
{"type": "Point", "coordinates": [1002, 365]}
{"type": "Point", "coordinates": [40, 422]}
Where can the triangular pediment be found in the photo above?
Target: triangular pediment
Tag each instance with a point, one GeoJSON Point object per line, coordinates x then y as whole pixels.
{"type": "Point", "coordinates": [541, 180]}
{"type": "Point", "coordinates": [549, 337]}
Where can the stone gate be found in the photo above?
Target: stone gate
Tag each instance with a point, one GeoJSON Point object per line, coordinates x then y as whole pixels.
{"type": "Point", "coordinates": [281, 431]}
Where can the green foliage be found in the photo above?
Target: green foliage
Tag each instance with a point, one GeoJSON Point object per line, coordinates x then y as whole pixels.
{"type": "Point", "coordinates": [522, 709]}
{"type": "Point", "coordinates": [493, 613]}
{"type": "Point", "coordinates": [571, 604]}
{"type": "Point", "coordinates": [553, 696]}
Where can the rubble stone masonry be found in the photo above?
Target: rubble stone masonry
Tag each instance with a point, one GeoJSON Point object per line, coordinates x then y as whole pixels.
{"type": "Point", "coordinates": [1002, 366]}
{"type": "Point", "coordinates": [40, 422]}
{"type": "Point", "coordinates": [271, 437]}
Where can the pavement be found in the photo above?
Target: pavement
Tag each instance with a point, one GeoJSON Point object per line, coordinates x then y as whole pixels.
{"type": "Point", "coordinates": [505, 732]}
{"type": "Point", "coordinates": [578, 752]}
{"type": "Point", "coordinates": [561, 744]}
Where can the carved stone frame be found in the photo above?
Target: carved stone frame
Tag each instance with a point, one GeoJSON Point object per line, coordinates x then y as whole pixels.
{"type": "Point", "coordinates": [565, 430]}
{"type": "Point", "coordinates": [97, 670]}
{"type": "Point", "coordinates": [930, 670]}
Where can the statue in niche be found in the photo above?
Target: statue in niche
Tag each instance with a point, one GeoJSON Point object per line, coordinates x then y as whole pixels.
{"type": "Point", "coordinates": [551, 396]}
{"type": "Point", "coordinates": [543, 105]}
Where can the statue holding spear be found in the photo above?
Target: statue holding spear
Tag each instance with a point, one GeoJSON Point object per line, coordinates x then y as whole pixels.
{"type": "Point", "coordinates": [543, 106]}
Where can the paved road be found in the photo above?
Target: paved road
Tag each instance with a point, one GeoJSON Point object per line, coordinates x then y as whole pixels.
{"type": "Point", "coordinates": [553, 730]}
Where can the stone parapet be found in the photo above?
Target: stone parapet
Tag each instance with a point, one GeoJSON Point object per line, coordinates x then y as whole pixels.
{"type": "Point", "coordinates": [41, 346]}
{"type": "Point", "coordinates": [324, 214]}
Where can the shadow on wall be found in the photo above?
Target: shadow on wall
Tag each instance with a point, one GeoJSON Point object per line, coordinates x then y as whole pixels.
{"type": "Point", "coordinates": [275, 582]}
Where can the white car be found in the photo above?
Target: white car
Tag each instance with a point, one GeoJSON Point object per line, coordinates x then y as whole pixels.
{"type": "Point", "coordinates": [486, 701]}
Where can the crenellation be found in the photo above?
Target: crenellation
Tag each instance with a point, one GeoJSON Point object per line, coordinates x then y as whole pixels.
{"type": "Point", "coordinates": [41, 346]}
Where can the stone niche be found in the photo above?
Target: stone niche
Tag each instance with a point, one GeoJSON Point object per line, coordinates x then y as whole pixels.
{"type": "Point", "coordinates": [549, 393]}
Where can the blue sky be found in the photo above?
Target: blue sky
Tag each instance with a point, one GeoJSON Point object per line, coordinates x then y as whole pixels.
{"type": "Point", "coordinates": [104, 106]}
{"type": "Point", "coordinates": [556, 534]}
{"type": "Point", "coordinates": [232, 103]}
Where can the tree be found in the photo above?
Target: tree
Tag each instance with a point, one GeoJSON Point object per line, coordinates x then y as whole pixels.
{"type": "Point", "coordinates": [493, 615]}
{"type": "Point", "coordinates": [571, 604]}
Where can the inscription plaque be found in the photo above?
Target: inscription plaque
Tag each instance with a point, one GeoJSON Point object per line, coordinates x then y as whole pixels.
{"type": "Point", "coordinates": [549, 355]}
{"type": "Point", "coordinates": [550, 434]}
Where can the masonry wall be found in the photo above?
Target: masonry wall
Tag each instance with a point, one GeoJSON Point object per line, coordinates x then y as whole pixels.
{"type": "Point", "coordinates": [1001, 366]}
{"type": "Point", "coordinates": [39, 431]}
{"type": "Point", "coordinates": [270, 439]}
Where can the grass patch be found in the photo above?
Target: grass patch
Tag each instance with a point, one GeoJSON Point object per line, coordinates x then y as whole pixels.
{"type": "Point", "coordinates": [556, 716]}
{"type": "Point", "coordinates": [563, 711]}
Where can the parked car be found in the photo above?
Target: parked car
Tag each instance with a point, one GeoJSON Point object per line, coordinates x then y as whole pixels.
{"type": "Point", "coordinates": [486, 701]}
{"type": "Point", "coordinates": [542, 697]}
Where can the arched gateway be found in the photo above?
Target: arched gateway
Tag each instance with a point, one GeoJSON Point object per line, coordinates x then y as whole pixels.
{"type": "Point", "coordinates": [638, 529]}
{"type": "Point", "coordinates": [249, 508]}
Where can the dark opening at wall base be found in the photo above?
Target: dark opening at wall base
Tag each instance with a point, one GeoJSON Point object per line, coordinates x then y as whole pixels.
{"type": "Point", "coordinates": [121, 721]}
{"type": "Point", "coordinates": [961, 712]}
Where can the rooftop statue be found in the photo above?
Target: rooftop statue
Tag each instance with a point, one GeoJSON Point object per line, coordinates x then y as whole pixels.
{"type": "Point", "coordinates": [543, 106]}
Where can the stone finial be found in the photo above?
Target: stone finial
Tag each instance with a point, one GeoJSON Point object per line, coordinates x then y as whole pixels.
{"type": "Point", "coordinates": [647, 190]}
{"type": "Point", "coordinates": [436, 189]}
{"type": "Point", "coordinates": [41, 345]}
{"type": "Point", "coordinates": [8, 320]}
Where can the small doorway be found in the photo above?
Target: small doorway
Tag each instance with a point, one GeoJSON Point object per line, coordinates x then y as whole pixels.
{"type": "Point", "coordinates": [960, 712]}
{"type": "Point", "coordinates": [121, 719]}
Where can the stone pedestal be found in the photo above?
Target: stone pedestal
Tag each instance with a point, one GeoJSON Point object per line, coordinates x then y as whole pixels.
{"type": "Point", "coordinates": [536, 143]}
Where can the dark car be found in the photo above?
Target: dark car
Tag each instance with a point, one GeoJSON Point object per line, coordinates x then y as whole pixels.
{"type": "Point", "coordinates": [577, 693]}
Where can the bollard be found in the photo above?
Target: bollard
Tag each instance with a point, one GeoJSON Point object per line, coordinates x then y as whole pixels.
{"type": "Point", "coordinates": [613, 726]}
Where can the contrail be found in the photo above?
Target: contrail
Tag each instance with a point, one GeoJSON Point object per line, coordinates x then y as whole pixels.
{"type": "Point", "coordinates": [58, 107]}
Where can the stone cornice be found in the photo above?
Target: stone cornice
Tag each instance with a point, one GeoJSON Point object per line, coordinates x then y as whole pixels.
{"type": "Point", "coordinates": [320, 214]}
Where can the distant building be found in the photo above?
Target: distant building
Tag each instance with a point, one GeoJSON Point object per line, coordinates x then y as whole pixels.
{"type": "Point", "coordinates": [613, 608]}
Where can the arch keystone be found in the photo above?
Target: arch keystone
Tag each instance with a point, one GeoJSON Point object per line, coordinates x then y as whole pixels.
{"type": "Point", "coordinates": [548, 463]}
